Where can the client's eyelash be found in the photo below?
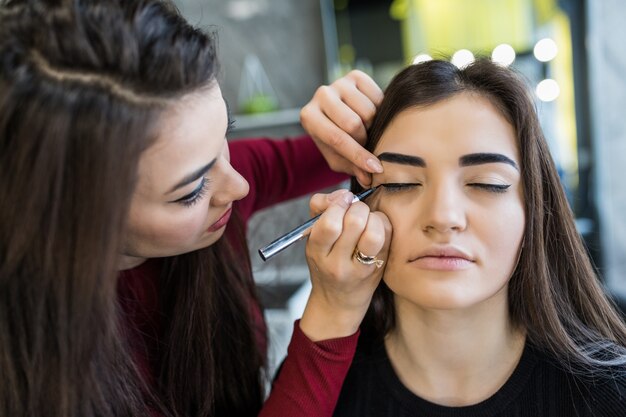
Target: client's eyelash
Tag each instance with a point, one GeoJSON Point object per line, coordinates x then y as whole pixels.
{"type": "Point", "coordinates": [196, 195]}
{"type": "Point", "coordinates": [493, 188]}
{"type": "Point", "coordinates": [393, 187]}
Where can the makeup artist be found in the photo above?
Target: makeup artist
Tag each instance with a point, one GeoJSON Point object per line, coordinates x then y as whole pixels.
{"type": "Point", "coordinates": [125, 286]}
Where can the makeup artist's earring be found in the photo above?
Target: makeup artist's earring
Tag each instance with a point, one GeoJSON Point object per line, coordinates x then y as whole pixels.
{"type": "Point", "coordinates": [367, 260]}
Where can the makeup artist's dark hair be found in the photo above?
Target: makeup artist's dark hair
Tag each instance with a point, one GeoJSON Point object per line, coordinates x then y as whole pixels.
{"type": "Point", "coordinates": [554, 292]}
{"type": "Point", "coordinates": [83, 85]}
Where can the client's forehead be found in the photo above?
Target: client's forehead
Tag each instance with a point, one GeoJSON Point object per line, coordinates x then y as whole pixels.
{"type": "Point", "coordinates": [463, 124]}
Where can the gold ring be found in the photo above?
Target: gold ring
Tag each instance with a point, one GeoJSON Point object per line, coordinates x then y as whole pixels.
{"type": "Point", "coordinates": [367, 260]}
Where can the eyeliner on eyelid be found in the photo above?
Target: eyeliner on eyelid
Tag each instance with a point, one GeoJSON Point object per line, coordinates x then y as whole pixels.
{"type": "Point", "coordinates": [493, 188]}
{"type": "Point", "coordinates": [392, 187]}
{"type": "Point", "coordinates": [400, 184]}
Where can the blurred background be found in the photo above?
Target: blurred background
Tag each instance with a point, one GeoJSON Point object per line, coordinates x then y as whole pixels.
{"type": "Point", "coordinates": [275, 53]}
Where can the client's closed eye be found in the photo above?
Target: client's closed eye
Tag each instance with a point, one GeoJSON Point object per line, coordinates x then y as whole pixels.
{"type": "Point", "coordinates": [399, 186]}
{"type": "Point", "coordinates": [494, 188]}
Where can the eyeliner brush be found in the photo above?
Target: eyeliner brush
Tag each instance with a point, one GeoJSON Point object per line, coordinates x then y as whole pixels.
{"type": "Point", "coordinates": [289, 238]}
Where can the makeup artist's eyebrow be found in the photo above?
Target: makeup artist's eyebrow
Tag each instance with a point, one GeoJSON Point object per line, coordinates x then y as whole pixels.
{"type": "Point", "coordinates": [193, 176]}
{"type": "Point", "coordinates": [486, 158]}
{"type": "Point", "coordinates": [399, 158]}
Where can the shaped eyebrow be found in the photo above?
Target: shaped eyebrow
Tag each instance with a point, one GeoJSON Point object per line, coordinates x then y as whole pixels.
{"type": "Point", "coordinates": [464, 161]}
{"type": "Point", "coordinates": [399, 158]}
{"type": "Point", "coordinates": [188, 179]}
{"type": "Point", "coordinates": [486, 158]}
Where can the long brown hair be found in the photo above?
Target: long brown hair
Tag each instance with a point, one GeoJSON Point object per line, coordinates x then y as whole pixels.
{"type": "Point", "coordinates": [554, 292]}
{"type": "Point", "coordinates": [82, 87]}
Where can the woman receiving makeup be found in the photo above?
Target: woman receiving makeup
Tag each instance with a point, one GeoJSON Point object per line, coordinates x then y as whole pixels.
{"type": "Point", "coordinates": [125, 283]}
{"type": "Point", "coordinates": [489, 305]}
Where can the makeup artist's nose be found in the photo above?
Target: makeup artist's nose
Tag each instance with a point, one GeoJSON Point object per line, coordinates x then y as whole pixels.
{"type": "Point", "coordinates": [229, 187]}
{"type": "Point", "coordinates": [443, 210]}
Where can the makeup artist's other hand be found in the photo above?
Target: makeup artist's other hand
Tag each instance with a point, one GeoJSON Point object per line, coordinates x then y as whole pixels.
{"type": "Point", "coordinates": [337, 118]}
{"type": "Point", "coordinates": [342, 287]}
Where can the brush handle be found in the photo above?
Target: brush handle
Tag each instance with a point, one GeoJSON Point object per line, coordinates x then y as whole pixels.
{"type": "Point", "coordinates": [291, 237]}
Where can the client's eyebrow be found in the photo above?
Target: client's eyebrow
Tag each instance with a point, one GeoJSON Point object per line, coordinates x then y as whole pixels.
{"type": "Point", "coordinates": [486, 158]}
{"type": "Point", "coordinates": [402, 159]}
{"type": "Point", "coordinates": [193, 176]}
{"type": "Point", "coordinates": [464, 161]}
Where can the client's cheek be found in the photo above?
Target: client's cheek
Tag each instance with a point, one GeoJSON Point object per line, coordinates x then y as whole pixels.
{"type": "Point", "coordinates": [396, 260]}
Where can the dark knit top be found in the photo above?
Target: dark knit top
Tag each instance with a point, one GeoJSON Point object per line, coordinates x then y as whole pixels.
{"type": "Point", "coordinates": [538, 387]}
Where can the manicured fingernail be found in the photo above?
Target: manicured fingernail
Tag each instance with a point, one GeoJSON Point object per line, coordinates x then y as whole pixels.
{"type": "Point", "coordinates": [347, 197]}
{"type": "Point", "coordinates": [374, 165]}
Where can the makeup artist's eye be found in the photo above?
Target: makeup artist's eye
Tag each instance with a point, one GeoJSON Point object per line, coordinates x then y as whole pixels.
{"type": "Point", "coordinates": [493, 188]}
{"type": "Point", "coordinates": [196, 195]}
{"type": "Point", "coordinates": [392, 187]}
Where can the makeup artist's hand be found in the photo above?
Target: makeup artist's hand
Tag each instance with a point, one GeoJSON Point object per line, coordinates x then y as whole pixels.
{"type": "Point", "coordinates": [342, 286]}
{"type": "Point", "coordinates": [337, 118]}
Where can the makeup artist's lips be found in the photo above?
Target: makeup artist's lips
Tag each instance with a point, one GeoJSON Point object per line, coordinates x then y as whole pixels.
{"type": "Point", "coordinates": [221, 222]}
{"type": "Point", "coordinates": [443, 259]}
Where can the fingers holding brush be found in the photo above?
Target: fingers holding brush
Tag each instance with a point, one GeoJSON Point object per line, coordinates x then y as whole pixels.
{"type": "Point", "coordinates": [343, 282]}
{"type": "Point", "coordinates": [329, 226]}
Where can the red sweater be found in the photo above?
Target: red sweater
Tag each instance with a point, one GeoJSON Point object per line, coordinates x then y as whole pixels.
{"type": "Point", "coordinates": [312, 375]}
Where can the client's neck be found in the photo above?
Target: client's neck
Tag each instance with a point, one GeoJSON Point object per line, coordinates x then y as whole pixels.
{"type": "Point", "coordinates": [455, 357]}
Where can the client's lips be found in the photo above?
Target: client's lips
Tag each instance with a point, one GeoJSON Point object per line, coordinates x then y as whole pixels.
{"type": "Point", "coordinates": [444, 258]}
{"type": "Point", "coordinates": [221, 222]}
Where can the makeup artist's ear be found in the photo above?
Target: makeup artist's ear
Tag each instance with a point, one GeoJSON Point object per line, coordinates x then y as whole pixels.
{"type": "Point", "coordinates": [337, 118]}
